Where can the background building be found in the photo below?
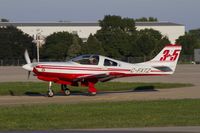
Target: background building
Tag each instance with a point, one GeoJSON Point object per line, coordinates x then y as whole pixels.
{"type": "Point", "coordinates": [40, 30]}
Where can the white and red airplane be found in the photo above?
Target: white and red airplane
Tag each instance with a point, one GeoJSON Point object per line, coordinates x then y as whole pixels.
{"type": "Point", "coordinates": [87, 70]}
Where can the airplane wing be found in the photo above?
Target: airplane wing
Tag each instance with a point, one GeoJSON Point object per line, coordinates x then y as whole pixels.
{"type": "Point", "coordinates": [103, 77]}
{"type": "Point", "coordinates": [97, 76]}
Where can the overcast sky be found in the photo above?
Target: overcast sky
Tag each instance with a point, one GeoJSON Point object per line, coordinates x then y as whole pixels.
{"type": "Point", "coordinates": [185, 12]}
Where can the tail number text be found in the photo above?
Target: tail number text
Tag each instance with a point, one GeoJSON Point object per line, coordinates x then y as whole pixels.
{"type": "Point", "coordinates": [168, 56]}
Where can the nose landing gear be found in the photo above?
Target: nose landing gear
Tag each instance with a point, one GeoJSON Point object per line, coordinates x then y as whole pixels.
{"type": "Point", "coordinates": [50, 92]}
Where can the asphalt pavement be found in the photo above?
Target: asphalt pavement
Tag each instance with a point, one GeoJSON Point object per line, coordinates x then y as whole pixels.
{"type": "Point", "coordinates": [189, 129]}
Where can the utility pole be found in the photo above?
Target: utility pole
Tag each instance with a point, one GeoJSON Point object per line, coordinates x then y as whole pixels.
{"type": "Point", "coordinates": [38, 47]}
{"type": "Point", "coordinates": [37, 40]}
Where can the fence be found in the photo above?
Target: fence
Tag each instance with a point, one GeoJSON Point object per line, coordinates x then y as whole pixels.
{"type": "Point", "coordinates": [19, 62]}
{"type": "Point", "coordinates": [12, 62]}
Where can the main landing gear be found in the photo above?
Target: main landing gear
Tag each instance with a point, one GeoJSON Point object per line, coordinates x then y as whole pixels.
{"type": "Point", "coordinates": [65, 90]}
{"type": "Point", "coordinates": [91, 89]}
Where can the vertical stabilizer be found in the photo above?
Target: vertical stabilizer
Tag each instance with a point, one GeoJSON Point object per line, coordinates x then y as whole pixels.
{"type": "Point", "coordinates": [168, 57]}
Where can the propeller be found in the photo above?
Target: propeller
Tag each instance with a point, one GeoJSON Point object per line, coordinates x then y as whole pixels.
{"type": "Point", "coordinates": [29, 66]}
{"type": "Point", "coordinates": [29, 73]}
{"type": "Point", "coordinates": [27, 58]}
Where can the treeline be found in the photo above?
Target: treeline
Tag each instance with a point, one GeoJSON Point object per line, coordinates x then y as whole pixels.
{"type": "Point", "coordinates": [117, 38]}
{"type": "Point", "coordinates": [13, 43]}
{"type": "Point", "coordinates": [4, 20]}
{"type": "Point", "coordinates": [190, 41]}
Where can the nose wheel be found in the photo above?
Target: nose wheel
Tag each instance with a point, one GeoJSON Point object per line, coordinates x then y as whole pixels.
{"type": "Point", "coordinates": [64, 89]}
{"type": "Point", "coordinates": [50, 92]}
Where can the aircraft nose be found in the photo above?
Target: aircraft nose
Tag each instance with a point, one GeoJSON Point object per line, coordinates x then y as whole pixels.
{"type": "Point", "coordinates": [28, 67]}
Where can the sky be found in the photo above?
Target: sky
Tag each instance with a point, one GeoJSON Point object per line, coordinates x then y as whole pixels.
{"type": "Point", "coordinates": [186, 12]}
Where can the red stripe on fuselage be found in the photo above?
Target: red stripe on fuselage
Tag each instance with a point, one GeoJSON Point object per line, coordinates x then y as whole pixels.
{"type": "Point", "coordinates": [80, 68]}
{"type": "Point", "coordinates": [71, 77]}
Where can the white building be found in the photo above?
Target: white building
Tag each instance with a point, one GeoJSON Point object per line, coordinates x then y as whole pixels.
{"type": "Point", "coordinates": [171, 30]}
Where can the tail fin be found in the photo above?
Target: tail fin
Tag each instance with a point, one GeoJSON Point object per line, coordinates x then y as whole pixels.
{"type": "Point", "coordinates": [170, 53]}
{"type": "Point", "coordinates": [167, 58]}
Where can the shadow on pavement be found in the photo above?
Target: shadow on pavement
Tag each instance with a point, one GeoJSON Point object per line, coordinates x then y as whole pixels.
{"type": "Point", "coordinates": [137, 89]}
{"type": "Point", "coordinates": [144, 89]}
{"type": "Point", "coordinates": [29, 93]}
{"type": "Point", "coordinates": [82, 93]}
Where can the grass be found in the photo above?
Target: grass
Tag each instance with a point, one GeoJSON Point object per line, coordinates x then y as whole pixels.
{"type": "Point", "coordinates": [25, 88]}
{"type": "Point", "coordinates": [101, 115]}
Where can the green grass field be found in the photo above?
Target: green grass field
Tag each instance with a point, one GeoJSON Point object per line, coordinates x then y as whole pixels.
{"type": "Point", "coordinates": [24, 88]}
{"type": "Point", "coordinates": [101, 115]}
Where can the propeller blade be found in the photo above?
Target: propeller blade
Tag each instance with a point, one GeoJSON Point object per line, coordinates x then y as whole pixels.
{"type": "Point", "coordinates": [28, 67]}
{"type": "Point", "coordinates": [29, 73]}
{"type": "Point", "coordinates": [27, 58]}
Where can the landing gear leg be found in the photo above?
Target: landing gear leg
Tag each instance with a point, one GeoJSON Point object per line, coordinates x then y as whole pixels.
{"type": "Point", "coordinates": [50, 92]}
{"type": "Point", "coordinates": [65, 90]}
{"type": "Point", "coordinates": [91, 89]}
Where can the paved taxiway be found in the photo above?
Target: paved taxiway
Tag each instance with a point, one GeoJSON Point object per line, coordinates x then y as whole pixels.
{"type": "Point", "coordinates": [189, 129]}
{"type": "Point", "coordinates": [184, 74]}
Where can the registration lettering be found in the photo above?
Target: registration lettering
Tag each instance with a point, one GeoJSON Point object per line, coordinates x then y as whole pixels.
{"type": "Point", "coordinates": [140, 70]}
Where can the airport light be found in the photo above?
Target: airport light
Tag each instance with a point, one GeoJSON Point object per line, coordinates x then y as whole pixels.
{"type": "Point", "coordinates": [37, 40]}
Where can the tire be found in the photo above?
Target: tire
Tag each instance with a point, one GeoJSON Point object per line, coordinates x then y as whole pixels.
{"type": "Point", "coordinates": [67, 92]}
{"type": "Point", "coordinates": [50, 93]}
{"type": "Point", "coordinates": [92, 93]}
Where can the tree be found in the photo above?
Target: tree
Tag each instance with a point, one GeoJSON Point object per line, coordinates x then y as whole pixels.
{"type": "Point", "coordinates": [57, 45]}
{"type": "Point", "coordinates": [114, 35]}
{"type": "Point", "coordinates": [119, 38]}
{"type": "Point", "coordinates": [189, 41]}
{"type": "Point", "coordinates": [152, 19]}
{"type": "Point", "coordinates": [150, 42]}
{"type": "Point", "coordinates": [93, 46]}
{"type": "Point", "coordinates": [116, 23]}
{"type": "Point", "coordinates": [75, 48]}
{"type": "Point", "coordinates": [195, 33]}
{"type": "Point", "coordinates": [115, 43]}
{"type": "Point", "coordinates": [144, 19]}
{"type": "Point", "coordinates": [13, 43]}
{"type": "Point", "coordinates": [4, 20]}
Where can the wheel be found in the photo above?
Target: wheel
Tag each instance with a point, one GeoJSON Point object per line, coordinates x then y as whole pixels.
{"type": "Point", "coordinates": [67, 92]}
{"type": "Point", "coordinates": [50, 93]}
{"type": "Point", "coordinates": [92, 93]}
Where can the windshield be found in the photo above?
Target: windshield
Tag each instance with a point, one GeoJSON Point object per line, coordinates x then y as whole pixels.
{"type": "Point", "coordinates": [87, 59]}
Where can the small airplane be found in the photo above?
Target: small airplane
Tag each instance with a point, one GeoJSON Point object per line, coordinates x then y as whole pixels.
{"type": "Point", "coordinates": [87, 70]}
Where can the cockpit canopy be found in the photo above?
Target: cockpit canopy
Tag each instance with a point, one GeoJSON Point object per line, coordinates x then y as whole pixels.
{"type": "Point", "coordinates": [87, 59]}
{"type": "Point", "coordinates": [94, 60]}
